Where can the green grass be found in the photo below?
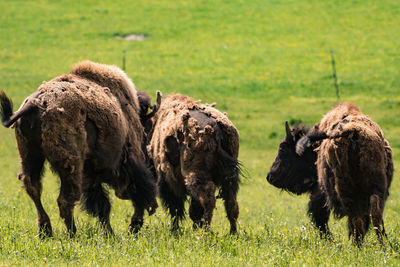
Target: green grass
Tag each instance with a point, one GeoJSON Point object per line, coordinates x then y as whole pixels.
{"type": "Point", "coordinates": [263, 62]}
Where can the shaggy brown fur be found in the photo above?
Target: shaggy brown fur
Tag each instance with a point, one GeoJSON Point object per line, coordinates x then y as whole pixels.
{"type": "Point", "coordinates": [87, 125]}
{"type": "Point", "coordinates": [194, 148]}
{"type": "Point", "coordinates": [355, 168]}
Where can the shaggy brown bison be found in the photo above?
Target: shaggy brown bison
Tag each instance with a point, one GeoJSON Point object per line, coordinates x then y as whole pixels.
{"type": "Point", "coordinates": [353, 170]}
{"type": "Point", "coordinates": [194, 148]}
{"type": "Point", "coordinates": [87, 125]}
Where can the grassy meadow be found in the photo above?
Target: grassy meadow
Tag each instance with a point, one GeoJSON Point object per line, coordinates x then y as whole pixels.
{"type": "Point", "coordinates": [263, 62]}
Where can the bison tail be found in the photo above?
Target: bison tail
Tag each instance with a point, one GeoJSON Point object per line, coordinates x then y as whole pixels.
{"type": "Point", "coordinates": [7, 116]}
{"type": "Point", "coordinates": [231, 169]}
{"type": "Point", "coordinates": [308, 140]}
{"type": "Point", "coordinates": [6, 109]}
{"type": "Point", "coordinates": [315, 136]}
{"type": "Point", "coordinates": [96, 202]}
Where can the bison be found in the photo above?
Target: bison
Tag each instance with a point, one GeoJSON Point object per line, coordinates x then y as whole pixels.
{"type": "Point", "coordinates": [87, 125]}
{"type": "Point", "coordinates": [194, 149]}
{"type": "Point", "coordinates": [346, 164]}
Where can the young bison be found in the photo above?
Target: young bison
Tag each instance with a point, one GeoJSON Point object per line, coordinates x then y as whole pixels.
{"type": "Point", "coordinates": [194, 148]}
{"type": "Point", "coordinates": [87, 125]}
{"type": "Point", "coordinates": [353, 171]}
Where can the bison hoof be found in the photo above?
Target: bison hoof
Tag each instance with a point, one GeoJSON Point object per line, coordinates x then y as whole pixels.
{"type": "Point", "coordinates": [233, 230]}
{"type": "Point", "coordinates": [45, 231]}
{"type": "Point", "coordinates": [152, 209]}
{"type": "Point", "coordinates": [135, 226]}
{"type": "Point", "coordinates": [107, 228]}
{"type": "Point", "coordinates": [197, 225]}
{"type": "Point", "coordinates": [326, 235]}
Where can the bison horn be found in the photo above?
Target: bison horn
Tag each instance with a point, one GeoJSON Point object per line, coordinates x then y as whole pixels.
{"type": "Point", "coordinates": [288, 131]}
{"type": "Point", "coordinates": [158, 102]}
{"type": "Point", "coordinates": [159, 96]}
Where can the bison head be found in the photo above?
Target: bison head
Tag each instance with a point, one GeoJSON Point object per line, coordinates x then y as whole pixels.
{"type": "Point", "coordinates": [291, 172]}
{"type": "Point", "coordinates": [147, 110]}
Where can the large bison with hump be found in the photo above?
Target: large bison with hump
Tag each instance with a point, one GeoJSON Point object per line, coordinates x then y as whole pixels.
{"type": "Point", "coordinates": [194, 148]}
{"type": "Point", "coordinates": [345, 162]}
{"type": "Point", "coordinates": [87, 125]}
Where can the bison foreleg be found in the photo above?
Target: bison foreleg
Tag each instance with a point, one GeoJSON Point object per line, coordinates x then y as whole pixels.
{"type": "Point", "coordinates": [319, 212]}
{"type": "Point", "coordinates": [137, 219]}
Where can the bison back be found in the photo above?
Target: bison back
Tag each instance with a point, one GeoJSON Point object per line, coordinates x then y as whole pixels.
{"type": "Point", "coordinates": [83, 118]}
{"type": "Point", "coordinates": [357, 163]}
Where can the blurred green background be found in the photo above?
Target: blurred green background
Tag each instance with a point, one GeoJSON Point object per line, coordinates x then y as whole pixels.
{"type": "Point", "coordinates": [263, 62]}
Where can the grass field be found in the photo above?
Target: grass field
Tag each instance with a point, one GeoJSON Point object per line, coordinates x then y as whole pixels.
{"type": "Point", "coordinates": [263, 62]}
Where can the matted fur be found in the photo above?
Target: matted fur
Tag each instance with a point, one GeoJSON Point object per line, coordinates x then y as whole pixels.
{"type": "Point", "coordinates": [120, 86]}
{"type": "Point", "coordinates": [171, 119]}
{"type": "Point", "coordinates": [355, 171]}
{"type": "Point", "coordinates": [194, 148]}
{"type": "Point", "coordinates": [87, 125]}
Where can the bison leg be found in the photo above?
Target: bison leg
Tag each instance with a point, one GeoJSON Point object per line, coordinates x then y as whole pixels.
{"type": "Point", "coordinates": [228, 193]}
{"type": "Point", "coordinates": [357, 229]}
{"type": "Point", "coordinates": [70, 192]}
{"type": "Point", "coordinates": [32, 160]}
{"type": "Point", "coordinates": [96, 203]}
{"type": "Point", "coordinates": [141, 190]}
{"type": "Point", "coordinates": [33, 186]}
{"type": "Point", "coordinates": [205, 193]}
{"type": "Point", "coordinates": [319, 212]}
{"type": "Point", "coordinates": [137, 219]}
{"type": "Point", "coordinates": [376, 211]}
{"type": "Point", "coordinates": [232, 211]}
{"type": "Point", "coordinates": [196, 212]}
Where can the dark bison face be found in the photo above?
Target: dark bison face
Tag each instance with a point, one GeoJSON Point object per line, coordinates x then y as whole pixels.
{"type": "Point", "coordinates": [146, 110]}
{"type": "Point", "coordinates": [291, 172]}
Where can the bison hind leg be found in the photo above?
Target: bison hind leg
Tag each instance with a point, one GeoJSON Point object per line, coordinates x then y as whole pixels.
{"type": "Point", "coordinates": [357, 228]}
{"type": "Point", "coordinates": [196, 212]}
{"type": "Point", "coordinates": [228, 193]}
{"type": "Point", "coordinates": [96, 202]}
{"type": "Point", "coordinates": [70, 193]}
{"type": "Point", "coordinates": [232, 211]}
{"type": "Point", "coordinates": [376, 211]}
{"type": "Point", "coordinates": [32, 160]}
{"type": "Point", "coordinates": [70, 170]}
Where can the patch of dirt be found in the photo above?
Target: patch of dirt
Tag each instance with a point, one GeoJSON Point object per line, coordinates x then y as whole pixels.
{"type": "Point", "coordinates": [138, 37]}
